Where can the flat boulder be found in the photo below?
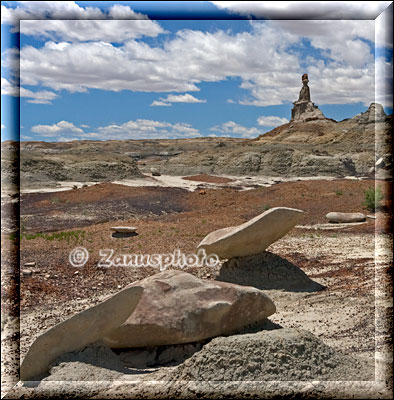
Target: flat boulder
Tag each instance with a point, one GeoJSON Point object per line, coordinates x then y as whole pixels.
{"type": "Point", "coordinates": [177, 307]}
{"type": "Point", "coordinates": [345, 217]}
{"type": "Point", "coordinates": [123, 229]}
{"type": "Point", "coordinates": [251, 237]}
{"type": "Point", "coordinates": [78, 331]}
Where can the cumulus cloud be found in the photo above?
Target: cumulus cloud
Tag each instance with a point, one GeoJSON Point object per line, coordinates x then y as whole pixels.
{"type": "Point", "coordinates": [8, 88]}
{"type": "Point", "coordinates": [306, 9]}
{"type": "Point", "coordinates": [181, 98]}
{"type": "Point", "coordinates": [39, 97]}
{"type": "Point", "coordinates": [66, 20]}
{"type": "Point", "coordinates": [269, 60]}
{"type": "Point", "coordinates": [138, 129]}
{"type": "Point", "coordinates": [114, 31]}
{"type": "Point", "coordinates": [159, 103]}
{"type": "Point", "coordinates": [231, 128]}
{"type": "Point", "coordinates": [62, 127]}
{"type": "Point", "coordinates": [271, 120]}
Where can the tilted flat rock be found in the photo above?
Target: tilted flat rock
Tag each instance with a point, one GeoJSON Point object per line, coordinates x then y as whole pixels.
{"type": "Point", "coordinates": [177, 307]}
{"type": "Point", "coordinates": [78, 331]}
{"type": "Point", "coordinates": [253, 236]}
{"type": "Point", "coordinates": [345, 217]}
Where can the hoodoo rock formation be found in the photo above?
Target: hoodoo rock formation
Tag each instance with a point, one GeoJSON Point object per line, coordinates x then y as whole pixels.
{"type": "Point", "coordinates": [304, 110]}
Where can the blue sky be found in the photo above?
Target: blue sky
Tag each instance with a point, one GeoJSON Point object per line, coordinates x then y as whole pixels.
{"type": "Point", "coordinates": [126, 70]}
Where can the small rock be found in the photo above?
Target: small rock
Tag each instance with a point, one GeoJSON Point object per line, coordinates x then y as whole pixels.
{"type": "Point", "coordinates": [30, 264]}
{"type": "Point", "coordinates": [124, 229]}
{"type": "Point", "coordinates": [371, 170]}
{"type": "Point", "coordinates": [75, 187]}
{"type": "Point", "coordinates": [119, 287]}
{"type": "Point", "coordinates": [371, 216]}
{"type": "Point", "coordinates": [379, 163]}
{"type": "Point", "coordinates": [47, 276]}
{"type": "Point", "coordinates": [76, 272]}
{"type": "Point", "coordinates": [27, 272]}
{"type": "Point", "coordinates": [155, 172]}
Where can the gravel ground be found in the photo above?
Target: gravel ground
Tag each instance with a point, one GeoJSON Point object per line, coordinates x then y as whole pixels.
{"type": "Point", "coordinates": [352, 314]}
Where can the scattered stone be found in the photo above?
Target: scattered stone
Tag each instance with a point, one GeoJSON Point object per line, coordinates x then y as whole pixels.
{"type": "Point", "coordinates": [371, 170]}
{"type": "Point", "coordinates": [76, 272]}
{"type": "Point", "coordinates": [380, 163]}
{"type": "Point", "coordinates": [27, 272]}
{"type": "Point", "coordinates": [123, 229]}
{"type": "Point", "coordinates": [78, 331]}
{"type": "Point", "coordinates": [177, 307]}
{"type": "Point", "coordinates": [345, 217]}
{"type": "Point", "coordinates": [371, 216]}
{"type": "Point", "coordinates": [253, 236]}
{"type": "Point", "coordinates": [155, 172]}
{"type": "Point", "coordinates": [30, 264]}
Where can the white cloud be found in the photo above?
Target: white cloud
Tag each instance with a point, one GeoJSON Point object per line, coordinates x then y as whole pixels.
{"type": "Point", "coordinates": [62, 127]}
{"type": "Point", "coordinates": [145, 129]}
{"type": "Point", "coordinates": [173, 98]}
{"type": "Point", "coordinates": [138, 129]}
{"type": "Point", "coordinates": [183, 98]}
{"type": "Point", "coordinates": [233, 129]}
{"type": "Point", "coordinates": [40, 97]}
{"type": "Point", "coordinates": [269, 60]}
{"type": "Point", "coordinates": [271, 120]}
{"type": "Point", "coordinates": [114, 31]}
{"type": "Point", "coordinates": [66, 20]}
{"type": "Point", "coordinates": [159, 103]}
{"type": "Point", "coordinates": [8, 88]}
{"type": "Point", "coordinates": [306, 9]}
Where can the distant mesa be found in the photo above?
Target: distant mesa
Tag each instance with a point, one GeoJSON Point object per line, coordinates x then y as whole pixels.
{"type": "Point", "coordinates": [304, 110]}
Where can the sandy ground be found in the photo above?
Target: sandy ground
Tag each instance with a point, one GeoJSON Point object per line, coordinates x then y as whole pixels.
{"type": "Point", "coordinates": [241, 182]}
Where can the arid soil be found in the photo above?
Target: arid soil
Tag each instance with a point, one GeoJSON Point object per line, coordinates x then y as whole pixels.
{"type": "Point", "coordinates": [352, 263]}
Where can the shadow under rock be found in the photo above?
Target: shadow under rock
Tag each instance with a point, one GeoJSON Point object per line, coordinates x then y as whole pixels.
{"type": "Point", "coordinates": [267, 271]}
{"type": "Point", "coordinates": [121, 235]}
{"type": "Point", "coordinates": [151, 357]}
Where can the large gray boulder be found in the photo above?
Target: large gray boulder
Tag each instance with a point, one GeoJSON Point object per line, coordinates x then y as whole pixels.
{"type": "Point", "coordinates": [78, 331]}
{"type": "Point", "coordinates": [177, 307]}
{"type": "Point", "coordinates": [252, 237]}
